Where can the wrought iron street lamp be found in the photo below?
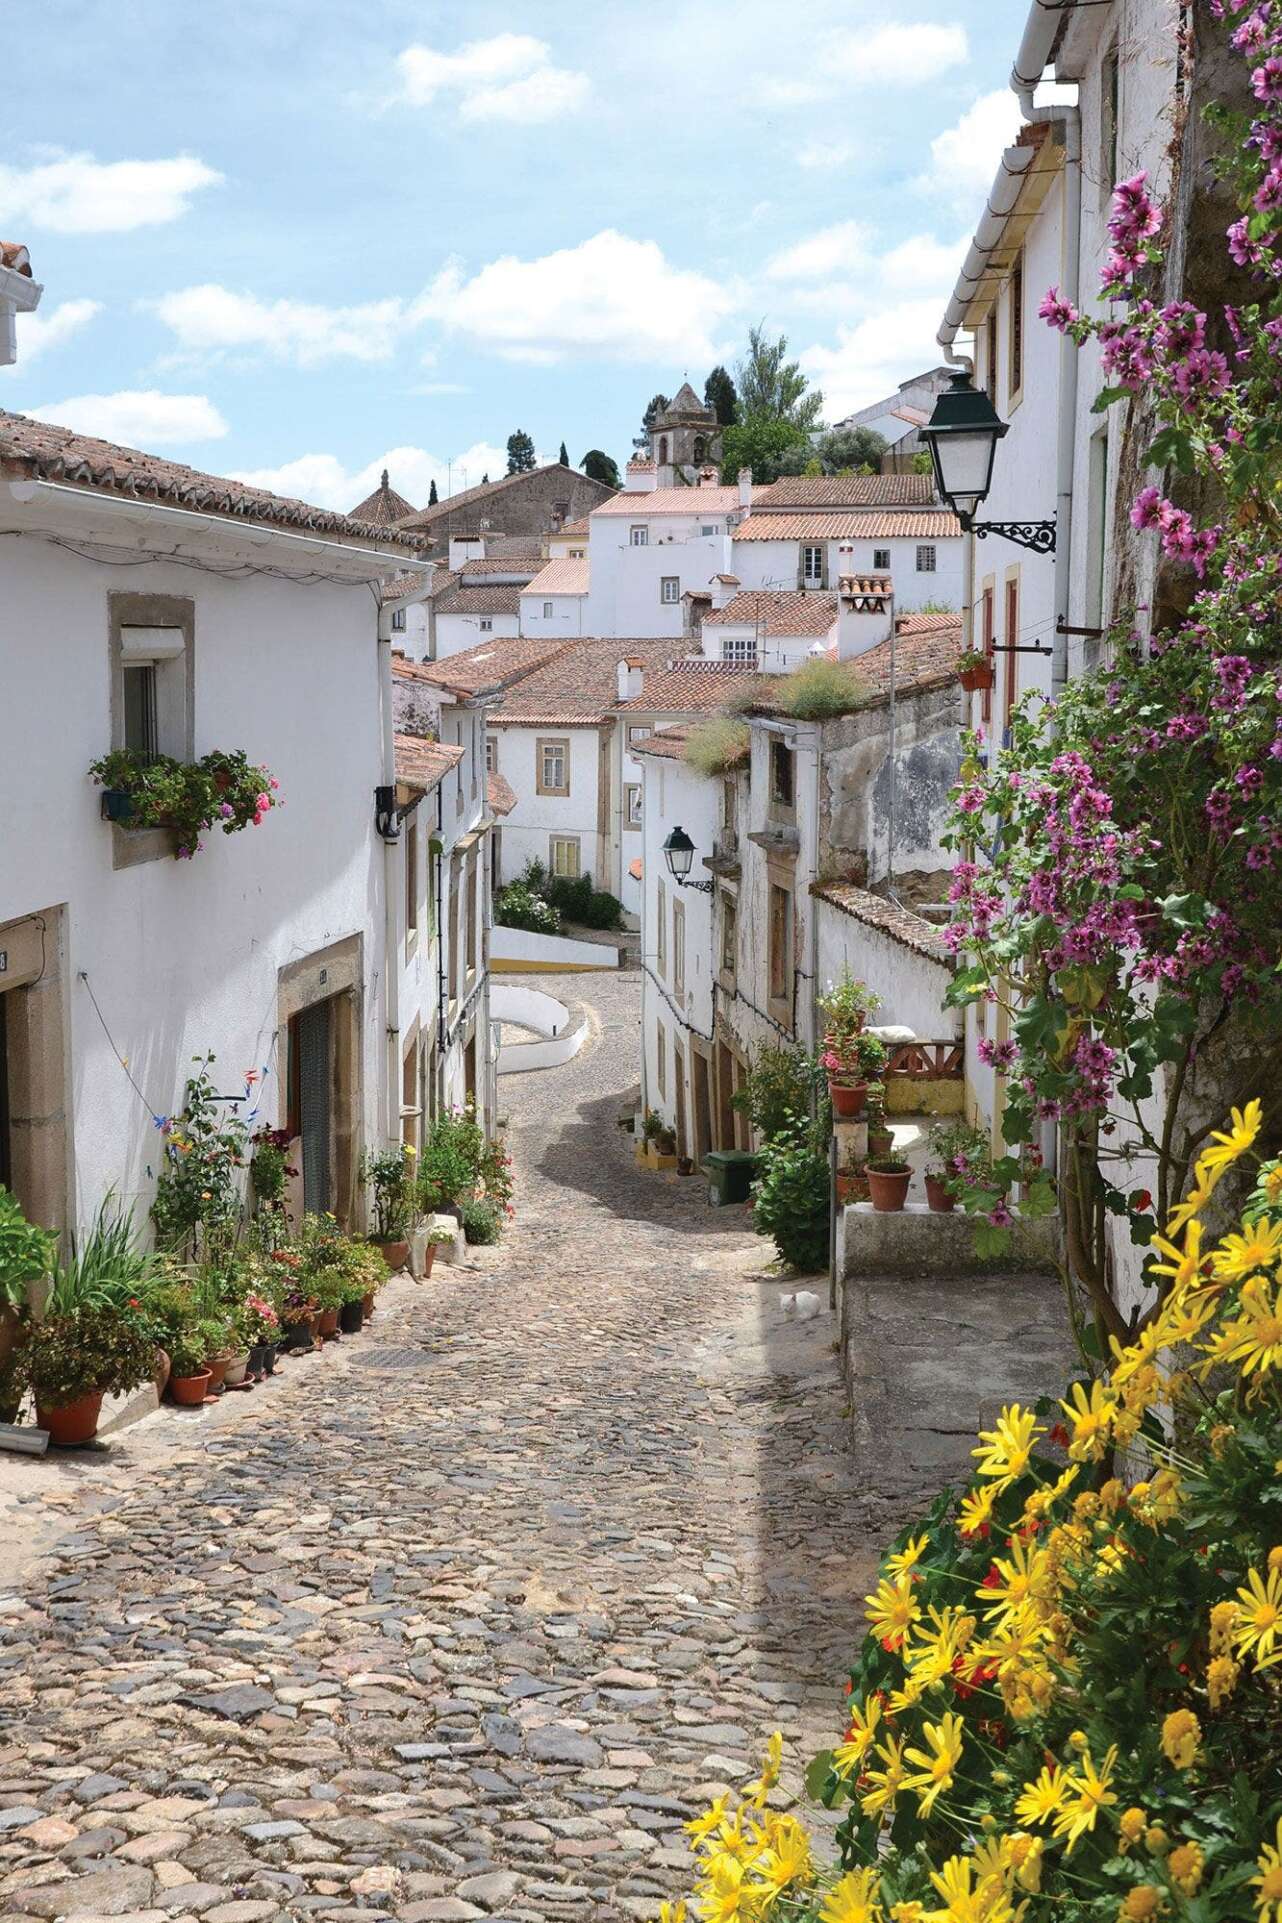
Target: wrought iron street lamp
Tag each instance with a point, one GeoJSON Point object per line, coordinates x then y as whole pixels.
{"type": "Point", "coordinates": [962, 435]}
{"type": "Point", "coordinates": [678, 852]}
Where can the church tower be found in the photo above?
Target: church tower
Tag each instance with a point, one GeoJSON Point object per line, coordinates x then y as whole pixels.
{"type": "Point", "coordinates": [685, 439]}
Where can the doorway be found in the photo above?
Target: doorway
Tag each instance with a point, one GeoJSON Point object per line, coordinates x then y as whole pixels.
{"type": "Point", "coordinates": [702, 1096]}
{"type": "Point", "coordinates": [679, 1093]}
{"type": "Point", "coordinates": [311, 1061]}
{"type": "Point", "coordinates": [726, 1117]}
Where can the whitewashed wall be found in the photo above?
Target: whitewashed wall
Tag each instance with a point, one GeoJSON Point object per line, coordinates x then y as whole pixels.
{"type": "Point", "coordinates": [774, 564]}
{"type": "Point", "coordinates": [911, 986]}
{"type": "Point", "coordinates": [536, 817]}
{"type": "Point", "coordinates": [675, 795]}
{"type": "Point", "coordinates": [624, 597]}
{"type": "Point", "coordinates": [454, 632]}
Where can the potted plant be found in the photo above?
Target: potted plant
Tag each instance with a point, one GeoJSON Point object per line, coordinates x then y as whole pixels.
{"type": "Point", "coordinates": [221, 790]}
{"type": "Point", "coordinates": [259, 1327]}
{"type": "Point", "coordinates": [70, 1362]}
{"type": "Point", "coordinates": [375, 1272]}
{"type": "Point", "coordinates": [389, 1176]}
{"type": "Point", "coordinates": [190, 1376]}
{"type": "Point", "coordinates": [888, 1179]}
{"type": "Point", "coordinates": [26, 1255]}
{"type": "Point", "coordinates": [449, 1168]}
{"type": "Point", "coordinates": [659, 1141]}
{"type": "Point", "coordinates": [975, 670]}
{"type": "Point", "coordinates": [852, 1186]}
{"type": "Point", "coordinates": [959, 1158]}
{"type": "Point", "coordinates": [857, 1058]}
{"type": "Point", "coordinates": [881, 1139]}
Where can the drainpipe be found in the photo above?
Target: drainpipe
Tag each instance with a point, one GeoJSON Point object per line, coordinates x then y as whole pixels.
{"type": "Point", "coordinates": [391, 908]}
{"type": "Point", "coordinates": [1069, 356]}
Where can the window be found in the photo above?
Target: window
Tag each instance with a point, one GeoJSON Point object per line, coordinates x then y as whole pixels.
{"type": "Point", "coordinates": [707, 528]}
{"type": "Point", "coordinates": [660, 928]}
{"type": "Point", "coordinates": [409, 1095]}
{"type": "Point", "coordinates": [741, 648]}
{"type": "Point", "coordinates": [547, 610]}
{"type": "Point", "coordinates": [881, 560]}
{"type": "Point", "coordinates": [140, 707]}
{"type": "Point", "coordinates": [411, 881]}
{"type": "Point", "coordinates": [491, 754]}
{"type": "Point", "coordinates": [563, 856]}
{"type": "Point", "coordinates": [661, 1059]}
{"type": "Point", "coordinates": [679, 950]}
{"type": "Point", "coordinates": [639, 733]}
{"type": "Point", "coordinates": [988, 639]}
{"type": "Point", "coordinates": [990, 355]}
{"type": "Point", "coordinates": [670, 589]}
{"type": "Point", "coordinates": [578, 554]}
{"type": "Point", "coordinates": [398, 620]}
{"type": "Point", "coordinates": [781, 789]}
{"type": "Point", "coordinates": [152, 674]}
{"type": "Point", "coordinates": [1016, 297]}
{"type": "Point", "coordinates": [729, 931]}
{"type": "Point", "coordinates": [632, 804]}
{"type": "Point", "coordinates": [729, 809]}
{"type": "Point", "coordinates": [486, 625]}
{"type": "Point", "coordinates": [926, 560]}
{"type": "Point", "coordinates": [700, 449]}
{"type": "Point", "coordinates": [813, 568]}
{"type": "Point", "coordinates": [552, 766]}
{"type": "Point", "coordinates": [1110, 76]}
{"type": "Point", "coordinates": [663, 450]}
{"type": "Point", "coordinates": [640, 537]}
{"type": "Point", "coordinates": [780, 943]}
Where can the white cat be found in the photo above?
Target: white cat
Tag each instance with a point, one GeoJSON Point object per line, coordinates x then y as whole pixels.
{"type": "Point", "coordinates": [800, 1306]}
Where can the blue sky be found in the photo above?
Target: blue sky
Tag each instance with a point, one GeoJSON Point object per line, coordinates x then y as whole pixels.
{"type": "Point", "coordinates": [296, 241]}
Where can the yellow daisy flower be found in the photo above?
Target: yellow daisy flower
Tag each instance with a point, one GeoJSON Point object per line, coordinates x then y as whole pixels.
{"type": "Point", "coordinates": [1091, 1415]}
{"type": "Point", "coordinates": [1254, 1338]}
{"type": "Point", "coordinates": [1226, 1146]}
{"type": "Point", "coordinates": [885, 1778]}
{"type": "Point", "coordinates": [1259, 1246]}
{"type": "Point", "coordinates": [853, 1899]}
{"type": "Point", "coordinates": [1183, 1266]}
{"type": "Point", "coordinates": [1181, 1738]}
{"type": "Point", "coordinates": [864, 1719]}
{"type": "Point", "coordinates": [1044, 1797]}
{"type": "Point", "coordinates": [1089, 1790]}
{"type": "Point", "coordinates": [938, 1763]}
{"type": "Point", "coordinates": [1269, 1881]}
{"type": "Point", "coordinates": [1259, 1618]}
{"type": "Point", "coordinates": [1005, 1452]}
{"type": "Point", "coordinates": [905, 1561]}
{"type": "Point", "coordinates": [892, 1610]}
{"type": "Point", "coordinates": [976, 1512]}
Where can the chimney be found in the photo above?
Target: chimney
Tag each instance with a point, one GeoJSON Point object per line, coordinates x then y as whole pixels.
{"type": "Point", "coordinates": [708, 477]}
{"type": "Point", "coordinates": [630, 677]}
{"type": "Point", "coordinates": [865, 613]}
{"type": "Point", "coordinates": [745, 489]}
{"type": "Point", "coordinates": [724, 589]}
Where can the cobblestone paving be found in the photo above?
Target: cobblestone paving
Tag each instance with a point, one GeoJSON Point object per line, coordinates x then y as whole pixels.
{"type": "Point", "coordinates": [465, 1618]}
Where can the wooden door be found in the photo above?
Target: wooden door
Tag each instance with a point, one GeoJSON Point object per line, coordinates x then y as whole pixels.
{"type": "Point", "coordinates": [702, 1103]}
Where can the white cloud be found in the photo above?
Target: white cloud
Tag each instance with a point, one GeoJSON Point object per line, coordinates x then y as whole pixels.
{"type": "Point", "coordinates": [872, 356]}
{"type": "Point", "coordinates": [138, 417]}
{"type": "Point", "coordinates": [211, 319]}
{"type": "Point", "coordinates": [963, 159]}
{"type": "Point", "coordinates": [76, 194]}
{"type": "Point", "coordinates": [323, 480]}
{"type": "Point", "coordinates": [823, 156]}
{"type": "Point", "coordinates": [509, 77]}
{"type": "Point", "coordinates": [39, 331]}
{"type": "Point", "coordinates": [891, 56]}
{"type": "Point", "coordinates": [833, 250]}
{"type": "Point", "coordinates": [609, 298]}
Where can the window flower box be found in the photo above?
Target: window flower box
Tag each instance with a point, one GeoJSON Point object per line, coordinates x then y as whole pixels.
{"type": "Point", "coordinates": [221, 790]}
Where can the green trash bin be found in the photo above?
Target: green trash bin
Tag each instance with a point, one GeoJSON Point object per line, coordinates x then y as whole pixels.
{"type": "Point", "coordinates": [729, 1172]}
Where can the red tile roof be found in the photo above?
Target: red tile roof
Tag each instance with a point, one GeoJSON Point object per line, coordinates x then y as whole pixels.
{"type": "Point", "coordinates": [691, 501]}
{"type": "Point", "coordinates": [484, 669]}
{"type": "Point", "coordinates": [399, 585]}
{"type": "Point", "coordinates": [384, 507]}
{"type": "Point", "coordinates": [508, 567]}
{"type": "Point", "coordinates": [421, 763]}
{"type": "Point", "coordinates": [579, 685]}
{"type": "Point", "coordinates": [848, 490]}
{"type": "Point", "coordinates": [888, 917]}
{"type": "Point", "coordinates": [562, 576]}
{"type": "Point", "coordinates": [581, 526]}
{"type": "Point", "coordinates": [669, 744]}
{"type": "Point", "coordinates": [480, 600]}
{"type": "Point", "coordinates": [500, 794]}
{"type": "Point", "coordinates": [816, 524]}
{"type": "Point", "coordinates": [777, 612]}
{"type": "Point", "coordinates": [39, 451]}
{"type": "Point", "coordinates": [926, 647]}
{"type": "Point", "coordinates": [688, 687]}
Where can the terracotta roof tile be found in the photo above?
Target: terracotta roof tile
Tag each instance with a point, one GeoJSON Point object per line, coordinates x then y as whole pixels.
{"type": "Point", "coordinates": [668, 745]}
{"type": "Point", "coordinates": [887, 916]}
{"type": "Point", "coordinates": [486, 566]}
{"type": "Point", "coordinates": [783, 612]}
{"type": "Point", "coordinates": [562, 576]}
{"type": "Point", "coordinates": [925, 656]}
{"type": "Point", "coordinates": [421, 763]}
{"type": "Point", "coordinates": [634, 868]}
{"type": "Point", "coordinates": [41, 451]}
{"type": "Point", "coordinates": [486, 668]}
{"type": "Point", "coordinates": [848, 490]}
{"type": "Point", "coordinates": [15, 257]}
{"type": "Point", "coordinates": [398, 586]}
{"type": "Point", "coordinates": [500, 794]}
{"type": "Point", "coordinates": [480, 600]}
{"type": "Point", "coordinates": [581, 526]}
{"type": "Point", "coordinates": [691, 501]}
{"type": "Point", "coordinates": [688, 687]}
{"type": "Point", "coordinates": [888, 524]}
{"type": "Point", "coordinates": [384, 507]}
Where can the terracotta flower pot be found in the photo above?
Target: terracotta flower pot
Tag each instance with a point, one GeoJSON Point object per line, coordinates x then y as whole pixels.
{"type": "Point", "coordinates": [881, 1141]}
{"type": "Point", "coordinates": [237, 1369]}
{"type": "Point", "coordinates": [888, 1192]}
{"type": "Point", "coordinates": [395, 1254]}
{"type": "Point", "coordinates": [188, 1391]}
{"type": "Point", "coordinates": [848, 1098]}
{"type": "Point", "coordinates": [367, 1300]}
{"type": "Point", "coordinates": [71, 1423]}
{"type": "Point", "coordinates": [977, 680]}
{"type": "Point", "coordinates": [328, 1324]}
{"type": "Point", "coordinates": [851, 1187]}
{"type": "Point", "coordinates": [314, 1324]}
{"type": "Point", "coordinates": [160, 1374]}
{"type": "Point", "coordinates": [217, 1366]}
{"type": "Point", "coordinates": [938, 1196]}
{"type": "Point", "coordinates": [429, 1256]}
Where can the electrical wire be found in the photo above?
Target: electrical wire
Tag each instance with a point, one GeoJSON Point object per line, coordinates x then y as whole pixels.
{"type": "Point", "coordinates": [240, 571]}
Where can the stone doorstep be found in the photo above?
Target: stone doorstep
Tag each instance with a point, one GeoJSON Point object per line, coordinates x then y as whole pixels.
{"type": "Point", "coordinates": [916, 1244]}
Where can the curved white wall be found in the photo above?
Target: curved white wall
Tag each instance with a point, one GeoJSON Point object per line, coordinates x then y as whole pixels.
{"type": "Point", "coordinates": [562, 1035]}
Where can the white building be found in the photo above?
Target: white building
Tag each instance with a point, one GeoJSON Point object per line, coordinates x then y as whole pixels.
{"type": "Point", "coordinates": [649, 547]}
{"type": "Point", "coordinates": [803, 533]}
{"type": "Point", "coordinates": [152, 608]}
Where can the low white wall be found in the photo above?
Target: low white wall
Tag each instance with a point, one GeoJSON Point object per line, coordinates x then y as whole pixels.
{"type": "Point", "coordinates": [519, 948]}
{"type": "Point", "coordinates": [911, 986]}
{"type": "Point", "coordinates": [562, 1036]}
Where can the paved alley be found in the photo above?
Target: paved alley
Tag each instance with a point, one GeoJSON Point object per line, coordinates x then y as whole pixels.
{"type": "Point", "coordinates": [465, 1616]}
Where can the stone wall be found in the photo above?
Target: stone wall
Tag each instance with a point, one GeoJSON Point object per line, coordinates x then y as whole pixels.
{"type": "Point", "coordinates": [528, 505]}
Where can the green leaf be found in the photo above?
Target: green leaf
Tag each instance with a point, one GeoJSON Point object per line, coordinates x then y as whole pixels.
{"type": "Point", "coordinates": [1172, 447]}
{"type": "Point", "coordinates": [817, 1776]}
{"type": "Point", "coordinates": [1038, 1198]}
{"type": "Point", "coordinates": [1184, 911]}
{"type": "Point", "coordinates": [965, 985]}
{"type": "Point", "coordinates": [1106, 397]}
{"type": "Point", "coordinates": [990, 1240]}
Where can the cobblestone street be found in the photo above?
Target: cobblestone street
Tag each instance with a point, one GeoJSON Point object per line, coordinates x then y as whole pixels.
{"type": "Point", "coordinates": [465, 1616]}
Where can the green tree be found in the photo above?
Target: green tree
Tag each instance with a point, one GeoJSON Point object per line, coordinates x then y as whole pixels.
{"type": "Point", "coordinates": [485, 480]}
{"type": "Point", "coordinates": [658, 403]}
{"type": "Point", "coordinates": [922, 462]}
{"type": "Point", "coordinates": [719, 394]}
{"type": "Point", "coordinates": [764, 443]}
{"type": "Point", "coordinates": [599, 466]}
{"type": "Point", "coordinates": [563, 457]}
{"type": "Point", "coordinates": [843, 448]}
{"type": "Point", "coordinates": [433, 497]}
{"type": "Point", "coordinates": [772, 385]}
{"type": "Point", "coordinates": [520, 453]}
